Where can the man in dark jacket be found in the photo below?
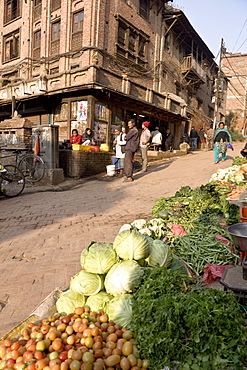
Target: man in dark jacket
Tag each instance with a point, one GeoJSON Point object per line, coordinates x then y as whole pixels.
{"type": "Point", "coordinates": [132, 144]}
{"type": "Point", "coordinates": [193, 138]}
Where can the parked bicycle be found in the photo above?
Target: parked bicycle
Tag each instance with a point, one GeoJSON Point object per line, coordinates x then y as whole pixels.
{"type": "Point", "coordinates": [12, 181]}
{"type": "Point", "coordinates": [31, 165]}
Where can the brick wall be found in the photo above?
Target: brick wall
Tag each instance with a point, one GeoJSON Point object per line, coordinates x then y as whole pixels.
{"type": "Point", "coordinates": [78, 164]}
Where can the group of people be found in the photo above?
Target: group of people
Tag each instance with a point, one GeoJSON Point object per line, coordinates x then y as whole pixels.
{"type": "Point", "coordinates": [219, 140]}
{"type": "Point", "coordinates": [84, 139]}
{"type": "Point", "coordinates": [128, 144]}
{"type": "Point", "coordinates": [202, 138]}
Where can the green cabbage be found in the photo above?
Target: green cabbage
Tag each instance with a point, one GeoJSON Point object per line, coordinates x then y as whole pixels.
{"type": "Point", "coordinates": [98, 258]}
{"type": "Point", "coordinates": [160, 254]}
{"type": "Point", "coordinates": [98, 301]}
{"type": "Point", "coordinates": [119, 310]}
{"type": "Point", "coordinates": [123, 277]}
{"type": "Point", "coordinates": [68, 301]}
{"type": "Point", "coordinates": [131, 245]}
{"type": "Point", "coordinates": [86, 283]}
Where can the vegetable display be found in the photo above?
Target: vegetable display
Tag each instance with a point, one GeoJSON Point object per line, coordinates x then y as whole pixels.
{"type": "Point", "coordinates": [143, 296]}
{"type": "Point", "coordinates": [82, 340]}
{"type": "Point", "coordinates": [181, 325]}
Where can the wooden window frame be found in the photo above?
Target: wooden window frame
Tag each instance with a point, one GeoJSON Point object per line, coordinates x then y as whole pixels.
{"type": "Point", "coordinates": [13, 39]}
{"type": "Point", "coordinates": [77, 34]}
{"type": "Point", "coordinates": [12, 10]}
{"type": "Point", "coordinates": [136, 51]}
{"type": "Point", "coordinates": [55, 41]}
{"type": "Point", "coordinates": [144, 6]}
{"type": "Point", "coordinates": [36, 47]}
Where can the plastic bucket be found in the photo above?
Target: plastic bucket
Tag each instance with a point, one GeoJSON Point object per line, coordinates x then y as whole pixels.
{"type": "Point", "coordinates": [110, 170]}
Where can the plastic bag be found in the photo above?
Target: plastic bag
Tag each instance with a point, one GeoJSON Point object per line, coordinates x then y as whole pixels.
{"type": "Point", "coordinates": [212, 272]}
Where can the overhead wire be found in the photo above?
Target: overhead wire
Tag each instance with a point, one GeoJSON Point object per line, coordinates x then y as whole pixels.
{"type": "Point", "coordinates": [239, 35]}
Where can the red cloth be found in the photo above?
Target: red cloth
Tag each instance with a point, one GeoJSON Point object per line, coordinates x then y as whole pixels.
{"type": "Point", "coordinates": [177, 230]}
{"type": "Point", "coordinates": [37, 146]}
{"type": "Point", "coordinates": [212, 272]}
{"type": "Point", "coordinates": [75, 139]}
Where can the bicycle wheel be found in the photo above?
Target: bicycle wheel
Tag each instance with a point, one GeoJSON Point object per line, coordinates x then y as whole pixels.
{"type": "Point", "coordinates": [13, 181]}
{"type": "Point", "coordinates": [32, 166]}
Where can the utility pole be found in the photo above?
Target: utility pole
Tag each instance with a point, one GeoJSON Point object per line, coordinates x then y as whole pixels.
{"type": "Point", "coordinates": [217, 88]}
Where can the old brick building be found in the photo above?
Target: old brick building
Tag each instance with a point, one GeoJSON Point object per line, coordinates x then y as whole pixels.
{"type": "Point", "coordinates": [98, 63]}
{"type": "Point", "coordinates": [235, 68]}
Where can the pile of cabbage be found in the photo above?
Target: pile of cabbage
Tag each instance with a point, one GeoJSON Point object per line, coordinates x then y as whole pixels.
{"type": "Point", "coordinates": [111, 272]}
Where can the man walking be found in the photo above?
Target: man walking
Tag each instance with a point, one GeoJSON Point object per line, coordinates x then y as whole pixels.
{"type": "Point", "coordinates": [144, 143]}
{"type": "Point", "coordinates": [132, 143]}
{"type": "Point", "coordinates": [193, 138]}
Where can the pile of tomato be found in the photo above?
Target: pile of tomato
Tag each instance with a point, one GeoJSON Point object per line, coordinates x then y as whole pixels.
{"type": "Point", "coordinates": [83, 340]}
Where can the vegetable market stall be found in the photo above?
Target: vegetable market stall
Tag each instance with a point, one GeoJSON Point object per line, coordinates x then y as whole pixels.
{"type": "Point", "coordinates": [143, 301]}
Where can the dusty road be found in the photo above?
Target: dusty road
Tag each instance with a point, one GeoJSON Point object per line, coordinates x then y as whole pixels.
{"type": "Point", "coordinates": [43, 232]}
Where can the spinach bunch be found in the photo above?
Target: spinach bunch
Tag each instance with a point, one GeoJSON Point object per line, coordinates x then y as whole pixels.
{"type": "Point", "coordinates": [181, 325]}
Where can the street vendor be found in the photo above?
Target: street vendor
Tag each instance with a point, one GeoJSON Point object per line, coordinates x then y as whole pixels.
{"type": "Point", "coordinates": [75, 138]}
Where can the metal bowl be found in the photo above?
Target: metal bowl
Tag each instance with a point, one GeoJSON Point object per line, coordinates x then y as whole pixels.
{"type": "Point", "coordinates": [239, 235]}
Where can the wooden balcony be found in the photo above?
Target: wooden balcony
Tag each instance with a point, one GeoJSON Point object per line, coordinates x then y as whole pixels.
{"type": "Point", "coordinates": [193, 71]}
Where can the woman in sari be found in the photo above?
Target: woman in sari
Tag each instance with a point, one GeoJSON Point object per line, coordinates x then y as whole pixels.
{"type": "Point", "coordinates": [222, 137]}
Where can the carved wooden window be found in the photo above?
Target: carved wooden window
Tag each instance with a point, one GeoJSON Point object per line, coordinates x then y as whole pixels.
{"type": "Point", "coordinates": [11, 10]}
{"type": "Point", "coordinates": [55, 38]}
{"type": "Point", "coordinates": [55, 4]}
{"type": "Point", "coordinates": [37, 9]}
{"type": "Point", "coordinates": [11, 45]}
{"type": "Point", "coordinates": [77, 30]}
{"type": "Point", "coordinates": [36, 44]}
{"type": "Point", "coordinates": [132, 43]}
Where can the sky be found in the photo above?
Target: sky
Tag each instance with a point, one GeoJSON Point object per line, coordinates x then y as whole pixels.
{"type": "Point", "coordinates": [217, 19]}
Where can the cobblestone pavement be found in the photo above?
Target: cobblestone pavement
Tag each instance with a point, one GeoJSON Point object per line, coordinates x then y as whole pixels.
{"type": "Point", "coordinates": [43, 231]}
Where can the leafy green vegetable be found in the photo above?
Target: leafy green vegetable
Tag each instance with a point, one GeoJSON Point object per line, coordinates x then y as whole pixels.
{"type": "Point", "coordinates": [175, 320]}
{"type": "Point", "coordinates": [160, 254]}
{"type": "Point", "coordinates": [119, 310]}
{"type": "Point", "coordinates": [98, 301]}
{"type": "Point", "coordinates": [86, 283]}
{"type": "Point", "coordinates": [131, 245]}
{"type": "Point", "coordinates": [68, 301]}
{"type": "Point", "coordinates": [123, 277]}
{"type": "Point", "coordinates": [98, 258]}
{"type": "Point", "coordinates": [187, 205]}
{"type": "Point", "coordinates": [178, 265]}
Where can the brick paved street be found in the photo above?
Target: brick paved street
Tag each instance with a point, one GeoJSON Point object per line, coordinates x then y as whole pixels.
{"type": "Point", "coordinates": [43, 231]}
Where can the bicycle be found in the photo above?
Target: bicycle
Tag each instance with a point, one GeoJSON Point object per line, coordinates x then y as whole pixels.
{"type": "Point", "coordinates": [31, 165]}
{"type": "Point", "coordinates": [12, 181]}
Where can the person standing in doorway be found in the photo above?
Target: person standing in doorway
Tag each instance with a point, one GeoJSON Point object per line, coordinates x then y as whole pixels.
{"type": "Point", "coordinates": [132, 144]}
{"type": "Point", "coordinates": [193, 138]}
{"type": "Point", "coordinates": [144, 144]}
{"type": "Point", "coordinates": [156, 138]}
{"type": "Point", "coordinates": [169, 141]}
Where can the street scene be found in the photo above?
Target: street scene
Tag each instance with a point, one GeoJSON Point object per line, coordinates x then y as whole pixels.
{"type": "Point", "coordinates": [123, 196]}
